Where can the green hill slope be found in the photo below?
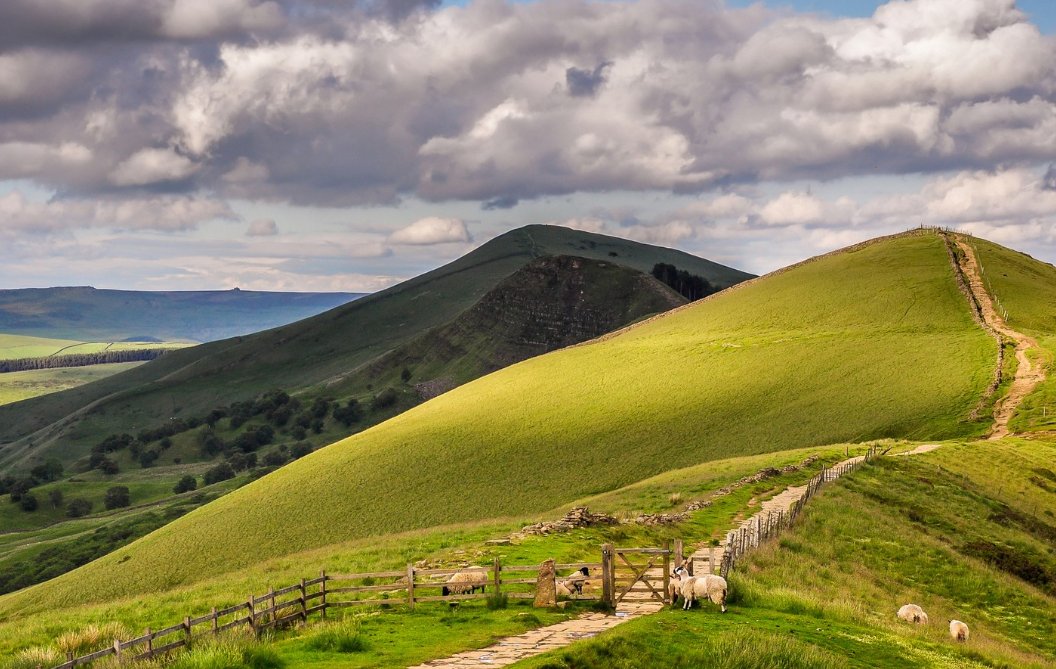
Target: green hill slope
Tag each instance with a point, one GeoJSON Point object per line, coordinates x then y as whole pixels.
{"type": "Point", "coordinates": [871, 342]}
{"type": "Point", "coordinates": [307, 353]}
{"type": "Point", "coordinates": [936, 530]}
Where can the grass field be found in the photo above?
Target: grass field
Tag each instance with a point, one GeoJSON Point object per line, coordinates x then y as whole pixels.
{"type": "Point", "coordinates": [13, 347]}
{"type": "Point", "coordinates": [901, 530]}
{"type": "Point", "coordinates": [27, 620]}
{"type": "Point", "coordinates": [17, 386]}
{"type": "Point", "coordinates": [879, 337]}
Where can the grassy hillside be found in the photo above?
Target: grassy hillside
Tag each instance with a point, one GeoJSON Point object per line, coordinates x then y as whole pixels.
{"type": "Point", "coordinates": [965, 532]}
{"type": "Point", "coordinates": [304, 354]}
{"type": "Point", "coordinates": [868, 343]}
{"type": "Point", "coordinates": [1026, 290]}
{"type": "Point", "coordinates": [89, 314]}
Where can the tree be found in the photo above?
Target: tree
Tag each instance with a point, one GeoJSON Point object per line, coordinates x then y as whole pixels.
{"type": "Point", "coordinates": [55, 497]}
{"type": "Point", "coordinates": [300, 449]}
{"type": "Point", "coordinates": [274, 458]}
{"type": "Point", "coordinates": [49, 471]}
{"type": "Point", "coordinates": [117, 497]}
{"type": "Point", "coordinates": [383, 400]}
{"type": "Point", "coordinates": [221, 472]}
{"type": "Point", "coordinates": [77, 508]}
{"type": "Point", "coordinates": [29, 502]}
{"type": "Point", "coordinates": [320, 407]}
{"type": "Point", "coordinates": [21, 488]}
{"type": "Point", "coordinates": [147, 458]}
{"type": "Point", "coordinates": [348, 414]}
{"type": "Point", "coordinates": [109, 467]}
{"type": "Point", "coordinates": [405, 375]}
{"type": "Point", "coordinates": [185, 484]}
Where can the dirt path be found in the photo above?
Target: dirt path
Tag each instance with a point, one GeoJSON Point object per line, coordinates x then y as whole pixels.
{"type": "Point", "coordinates": [1028, 375]}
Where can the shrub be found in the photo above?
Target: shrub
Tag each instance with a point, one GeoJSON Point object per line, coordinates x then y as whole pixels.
{"type": "Point", "coordinates": [147, 458]}
{"type": "Point", "coordinates": [185, 484]}
{"type": "Point", "coordinates": [117, 497]}
{"type": "Point", "coordinates": [49, 471]}
{"type": "Point", "coordinates": [348, 414]}
{"type": "Point", "coordinates": [55, 497]}
{"type": "Point", "coordinates": [108, 467]}
{"type": "Point", "coordinates": [77, 508]}
{"type": "Point", "coordinates": [383, 400]}
{"type": "Point", "coordinates": [300, 449]}
{"type": "Point", "coordinates": [29, 502]}
{"type": "Point", "coordinates": [221, 472]}
{"type": "Point", "coordinates": [33, 658]}
{"type": "Point", "coordinates": [405, 375]}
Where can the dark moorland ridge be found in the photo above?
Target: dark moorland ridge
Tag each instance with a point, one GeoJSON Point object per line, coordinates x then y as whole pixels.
{"type": "Point", "coordinates": [428, 322]}
{"type": "Point", "coordinates": [84, 313]}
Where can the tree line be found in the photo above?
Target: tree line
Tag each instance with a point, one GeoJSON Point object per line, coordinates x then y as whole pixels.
{"type": "Point", "coordinates": [80, 359]}
{"type": "Point", "coordinates": [690, 286]}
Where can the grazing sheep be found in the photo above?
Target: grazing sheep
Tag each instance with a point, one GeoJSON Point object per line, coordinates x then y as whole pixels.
{"type": "Point", "coordinates": [708, 586]}
{"type": "Point", "coordinates": [562, 591]}
{"type": "Point", "coordinates": [466, 582]}
{"type": "Point", "coordinates": [575, 581]}
{"type": "Point", "coordinates": [674, 583]}
{"type": "Point", "coordinates": [912, 613]}
{"type": "Point", "coordinates": [958, 630]}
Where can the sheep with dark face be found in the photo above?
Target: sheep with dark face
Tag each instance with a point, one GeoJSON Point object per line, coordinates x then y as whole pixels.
{"type": "Point", "coordinates": [912, 613]}
{"type": "Point", "coordinates": [958, 631]}
{"type": "Point", "coordinates": [466, 581]}
{"type": "Point", "coordinates": [574, 582]}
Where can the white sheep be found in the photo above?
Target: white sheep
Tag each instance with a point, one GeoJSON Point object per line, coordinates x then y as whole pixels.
{"type": "Point", "coordinates": [576, 580]}
{"type": "Point", "coordinates": [466, 581]}
{"type": "Point", "coordinates": [958, 630]}
{"type": "Point", "coordinates": [708, 586]}
{"type": "Point", "coordinates": [912, 613]}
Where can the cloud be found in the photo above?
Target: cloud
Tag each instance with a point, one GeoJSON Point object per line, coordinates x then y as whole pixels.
{"type": "Point", "coordinates": [585, 83]}
{"type": "Point", "coordinates": [501, 202]}
{"type": "Point", "coordinates": [262, 227]}
{"type": "Point", "coordinates": [330, 103]}
{"type": "Point", "coordinates": [167, 213]}
{"type": "Point", "coordinates": [150, 166]}
{"type": "Point", "coordinates": [432, 230]}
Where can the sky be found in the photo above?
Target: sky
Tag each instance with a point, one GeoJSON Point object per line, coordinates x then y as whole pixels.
{"type": "Point", "coordinates": [350, 144]}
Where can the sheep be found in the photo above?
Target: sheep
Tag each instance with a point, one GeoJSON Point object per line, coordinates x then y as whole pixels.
{"type": "Point", "coordinates": [466, 581]}
{"type": "Point", "coordinates": [674, 583]}
{"type": "Point", "coordinates": [958, 630]}
{"type": "Point", "coordinates": [576, 580]}
{"type": "Point", "coordinates": [708, 586]}
{"type": "Point", "coordinates": [912, 613]}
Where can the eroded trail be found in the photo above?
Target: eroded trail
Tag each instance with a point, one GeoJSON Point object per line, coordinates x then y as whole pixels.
{"type": "Point", "coordinates": [1028, 374]}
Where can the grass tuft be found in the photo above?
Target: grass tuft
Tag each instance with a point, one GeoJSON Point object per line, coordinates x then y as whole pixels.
{"type": "Point", "coordinates": [344, 636]}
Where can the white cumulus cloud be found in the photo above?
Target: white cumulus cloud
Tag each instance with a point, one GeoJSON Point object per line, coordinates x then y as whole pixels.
{"type": "Point", "coordinates": [432, 230]}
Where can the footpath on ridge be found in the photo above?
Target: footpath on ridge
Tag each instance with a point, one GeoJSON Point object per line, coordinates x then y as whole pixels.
{"type": "Point", "coordinates": [1028, 375]}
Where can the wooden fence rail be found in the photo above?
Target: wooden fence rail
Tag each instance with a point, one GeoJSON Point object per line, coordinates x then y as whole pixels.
{"type": "Point", "coordinates": [298, 601]}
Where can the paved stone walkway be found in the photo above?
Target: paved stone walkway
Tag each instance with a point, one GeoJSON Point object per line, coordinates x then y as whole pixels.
{"type": "Point", "coordinates": [538, 641]}
{"type": "Point", "coordinates": [535, 642]}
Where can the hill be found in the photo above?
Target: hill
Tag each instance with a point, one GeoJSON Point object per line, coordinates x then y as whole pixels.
{"type": "Point", "coordinates": [304, 355]}
{"type": "Point", "coordinates": [871, 342]}
{"type": "Point", "coordinates": [84, 313]}
{"type": "Point", "coordinates": [932, 529]}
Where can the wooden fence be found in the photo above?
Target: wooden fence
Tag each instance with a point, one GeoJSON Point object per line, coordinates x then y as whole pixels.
{"type": "Point", "coordinates": [622, 573]}
{"type": "Point", "coordinates": [764, 526]}
{"type": "Point", "coordinates": [297, 602]}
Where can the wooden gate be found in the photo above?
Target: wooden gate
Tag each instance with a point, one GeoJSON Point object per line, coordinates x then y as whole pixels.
{"type": "Point", "coordinates": [637, 574]}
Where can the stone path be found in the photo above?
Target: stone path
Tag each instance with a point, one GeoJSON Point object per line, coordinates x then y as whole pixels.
{"type": "Point", "coordinates": [1028, 375]}
{"type": "Point", "coordinates": [538, 641]}
{"type": "Point", "coordinates": [535, 642]}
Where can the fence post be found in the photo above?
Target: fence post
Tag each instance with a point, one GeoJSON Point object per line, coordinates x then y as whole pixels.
{"type": "Point", "coordinates": [216, 623]}
{"type": "Point", "coordinates": [679, 553]}
{"type": "Point", "coordinates": [667, 571]}
{"type": "Point", "coordinates": [410, 586]}
{"type": "Point", "coordinates": [711, 561]}
{"type": "Point", "coordinates": [304, 602]}
{"type": "Point", "coordinates": [150, 644]}
{"type": "Point", "coordinates": [322, 589]}
{"type": "Point", "coordinates": [607, 593]}
{"type": "Point", "coordinates": [117, 650]}
{"type": "Point", "coordinates": [251, 605]}
{"type": "Point", "coordinates": [497, 567]}
{"type": "Point", "coordinates": [187, 630]}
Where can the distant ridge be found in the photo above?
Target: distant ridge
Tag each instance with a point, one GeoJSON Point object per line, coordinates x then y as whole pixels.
{"type": "Point", "coordinates": [84, 313]}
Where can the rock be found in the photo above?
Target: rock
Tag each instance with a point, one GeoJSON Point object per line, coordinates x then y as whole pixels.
{"type": "Point", "coordinates": [498, 542]}
{"type": "Point", "coordinates": [546, 586]}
